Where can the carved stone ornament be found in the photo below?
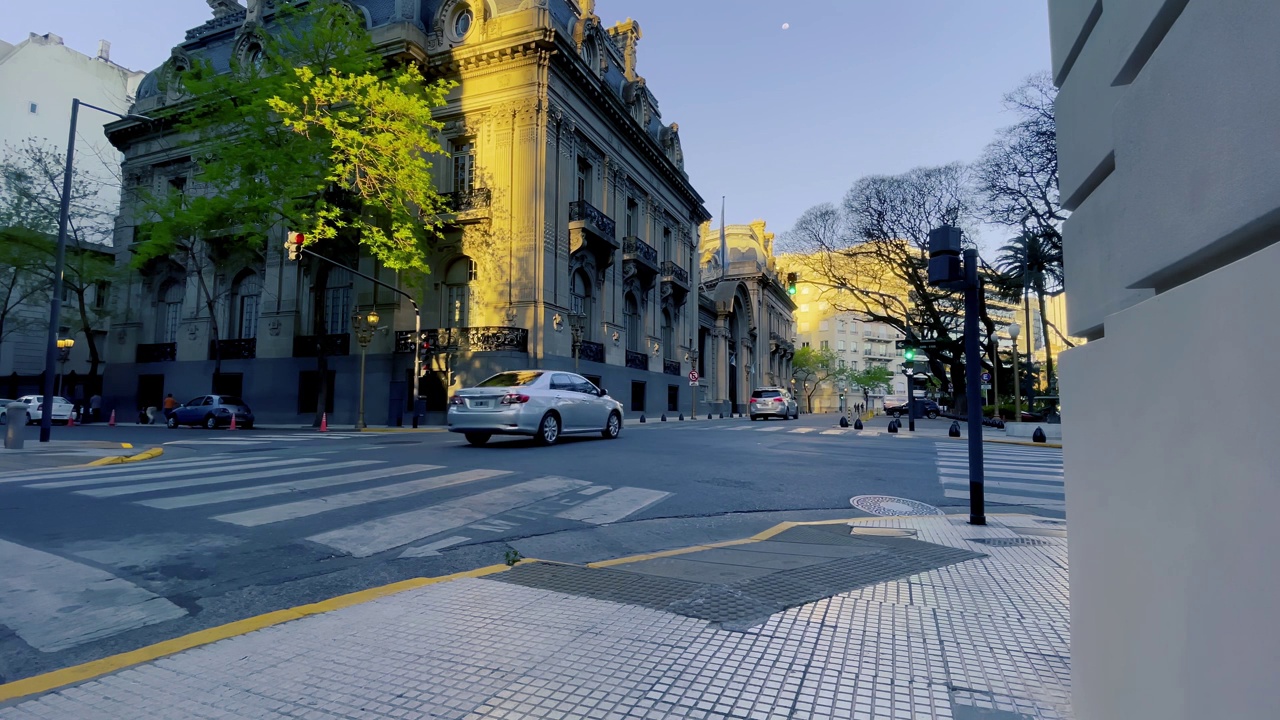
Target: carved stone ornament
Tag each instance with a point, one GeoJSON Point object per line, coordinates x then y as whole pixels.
{"type": "Point", "coordinates": [273, 327]}
{"type": "Point", "coordinates": [557, 321]}
{"type": "Point", "coordinates": [121, 336]}
{"type": "Point", "coordinates": [192, 331]}
{"type": "Point", "coordinates": [617, 338]}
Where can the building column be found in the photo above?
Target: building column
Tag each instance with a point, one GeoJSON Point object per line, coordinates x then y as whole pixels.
{"type": "Point", "coordinates": [720, 334]}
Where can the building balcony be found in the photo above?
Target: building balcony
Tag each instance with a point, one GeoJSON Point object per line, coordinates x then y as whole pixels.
{"type": "Point", "coordinates": [639, 260]}
{"type": "Point", "coordinates": [469, 339]}
{"type": "Point", "coordinates": [156, 352]}
{"type": "Point", "coordinates": [243, 349]}
{"type": "Point", "coordinates": [468, 206]}
{"type": "Point", "coordinates": [591, 351]}
{"type": "Point", "coordinates": [593, 232]}
{"type": "Point", "coordinates": [305, 346]}
{"type": "Point", "coordinates": [674, 278]}
{"type": "Point", "coordinates": [637, 360]}
{"type": "Point", "coordinates": [671, 367]}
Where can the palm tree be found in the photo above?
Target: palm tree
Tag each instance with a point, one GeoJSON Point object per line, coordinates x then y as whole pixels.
{"type": "Point", "coordinates": [1032, 262]}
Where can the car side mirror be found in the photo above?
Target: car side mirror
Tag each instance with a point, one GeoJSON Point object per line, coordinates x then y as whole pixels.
{"type": "Point", "coordinates": [603, 392]}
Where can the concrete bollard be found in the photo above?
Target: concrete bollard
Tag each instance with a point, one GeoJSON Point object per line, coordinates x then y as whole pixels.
{"type": "Point", "coordinates": [709, 417]}
{"type": "Point", "coordinates": [857, 424]}
{"type": "Point", "coordinates": [893, 426]}
{"type": "Point", "coordinates": [844, 421]}
{"type": "Point", "coordinates": [15, 431]}
{"type": "Point", "coordinates": [954, 430]}
{"type": "Point", "coordinates": [641, 418]}
{"type": "Point", "coordinates": [1038, 436]}
{"type": "Point", "coordinates": [681, 417]}
{"type": "Point", "coordinates": [722, 415]}
{"type": "Point", "coordinates": [664, 417]}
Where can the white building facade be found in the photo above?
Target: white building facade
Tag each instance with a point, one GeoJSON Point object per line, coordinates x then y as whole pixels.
{"type": "Point", "coordinates": [1167, 136]}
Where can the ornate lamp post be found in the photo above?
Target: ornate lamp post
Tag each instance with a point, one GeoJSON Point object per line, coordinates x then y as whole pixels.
{"type": "Point", "coordinates": [577, 326]}
{"type": "Point", "coordinates": [1014, 331]}
{"type": "Point", "coordinates": [693, 365]}
{"type": "Point", "coordinates": [364, 326]}
{"type": "Point", "coordinates": [64, 354]}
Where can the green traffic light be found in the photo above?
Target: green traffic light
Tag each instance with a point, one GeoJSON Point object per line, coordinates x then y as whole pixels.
{"type": "Point", "coordinates": [791, 289]}
{"type": "Point", "coordinates": [909, 354]}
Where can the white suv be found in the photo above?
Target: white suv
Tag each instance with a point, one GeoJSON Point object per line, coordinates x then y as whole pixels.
{"type": "Point", "coordinates": [767, 402]}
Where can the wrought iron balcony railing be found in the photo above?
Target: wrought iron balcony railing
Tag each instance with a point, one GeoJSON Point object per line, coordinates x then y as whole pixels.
{"type": "Point", "coordinates": [591, 351]}
{"type": "Point", "coordinates": [637, 360]}
{"type": "Point", "coordinates": [640, 250]}
{"type": "Point", "coordinates": [473, 199]}
{"type": "Point", "coordinates": [156, 352]}
{"type": "Point", "coordinates": [242, 349]}
{"type": "Point", "coordinates": [313, 345]}
{"type": "Point", "coordinates": [672, 271]}
{"type": "Point", "coordinates": [671, 367]}
{"type": "Point", "coordinates": [585, 211]}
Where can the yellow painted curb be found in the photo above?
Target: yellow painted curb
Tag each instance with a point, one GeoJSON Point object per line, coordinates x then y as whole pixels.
{"type": "Point", "coordinates": [127, 446]}
{"type": "Point", "coordinates": [118, 459]}
{"type": "Point", "coordinates": [96, 668]}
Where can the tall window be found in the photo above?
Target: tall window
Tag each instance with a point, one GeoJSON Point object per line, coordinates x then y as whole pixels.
{"type": "Point", "coordinates": [337, 302]}
{"type": "Point", "coordinates": [668, 337]}
{"type": "Point", "coordinates": [246, 299]}
{"type": "Point", "coordinates": [100, 291]}
{"type": "Point", "coordinates": [631, 316]}
{"type": "Point", "coordinates": [464, 165]}
{"type": "Point", "coordinates": [666, 244]}
{"type": "Point", "coordinates": [584, 179]}
{"type": "Point", "coordinates": [169, 312]}
{"type": "Point", "coordinates": [633, 210]}
{"type": "Point", "coordinates": [457, 296]}
{"type": "Point", "coordinates": [580, 297]}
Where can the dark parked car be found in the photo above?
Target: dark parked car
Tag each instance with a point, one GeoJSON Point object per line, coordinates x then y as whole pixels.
{"type": "Point", "coordinates": [924, 408]}
{"type": "Point", "coordinates": [212, 411]}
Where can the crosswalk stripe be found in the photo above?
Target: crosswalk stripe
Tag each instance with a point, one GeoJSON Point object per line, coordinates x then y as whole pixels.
{"type": "Point", "coordinates": [803, 431]}
{"type": "Point", "coordinates": [222, 496]}
{"type": "Point", "coordinates": [1028, 487]}
{"type": "Point", "coordinates": [367, 538]}
{"type": "Point", "coordinates": [304, 508]}
{"type": "Point", "coordinates": [96, 478]}
{"type": "Point", "coordinates": [219, 479]}
{"type": "Point", "coordinates": [216, 443]}
{"type": "Point", "coordinates": [1002, 474]}
{"type": "Point", "coordinates": [615, 505]}
{"type": "Point", "coordinates": [1046, 503]}
{"type": "Point", "coordinates": [768, 429]}
{"type": "Point", "coordinates": [34, 475]}
{"type": "Point", "coordinates": [999, 465]}
{"type": "Point", "coordinates": [834, 431]}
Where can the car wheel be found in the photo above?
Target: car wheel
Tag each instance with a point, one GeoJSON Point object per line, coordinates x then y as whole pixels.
{"type": "Point", "coordinates": [172, 422]}
{"type": "Point", "coordinates": [612, 428]}
{"type": "Point", "coordinates": [548, 430]}
{"type": "Point", "coordinates": [211, 423]}
{"type": "Point", "coordinates": [478, 439]}
{"type": "Point", "coordinates": [933, 415]}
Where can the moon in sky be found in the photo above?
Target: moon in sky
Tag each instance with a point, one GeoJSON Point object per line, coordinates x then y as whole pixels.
{"type": "Point", "coordinates": [786, 26]}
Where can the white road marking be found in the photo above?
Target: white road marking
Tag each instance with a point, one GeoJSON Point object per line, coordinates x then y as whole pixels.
{"type": "Point", "coordinates": [613, 506]}
{"type": "Point", "coordinates": [593, 490]}
{"type": "Point", "coordinates": [97, 470]}
{"type": "Point", "coordinates": [242, 464]}
{"type": "Point", "coordinates": [804, 430]}
{"type": "Point", "coordinates": [315, 506]}
{"type": "Point", "coordinates": [1046, 503]}
{"type": "Point", "coordinates": [869, 433]}
{"type": "Point", "coordinates": [492, 526]}
{"type": "Point", "coordinates": [835, 431]}
{"type": "Point", "coordinates": [221, 496]}
{"type": "Point", "coordinates": [215, 479]}
{"type": "Point", "coordinates": [1001, 465]}
{"type": "Point", "coordinates": [1027, 487]}
{"type": "Point", "coordinates": [53, 603]}
{"type": "Point", "coordinates": [768, 429]}
{"type": "Point", "coordinates": [1001, 474]}
{"type": "Point", "coordinates": [217, 442]}
{"type": "Point", "coordinates": [367, 538]}
{"type": "Point", "coordinates": [432, 548]}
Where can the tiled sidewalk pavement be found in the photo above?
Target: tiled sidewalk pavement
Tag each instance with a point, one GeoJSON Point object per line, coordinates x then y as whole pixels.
{"type": "Point", "coordinates": [984, 638]}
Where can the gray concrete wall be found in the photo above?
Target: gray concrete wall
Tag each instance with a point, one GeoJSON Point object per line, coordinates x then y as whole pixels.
{"type": "Point", "coordinates": [1167, 143]}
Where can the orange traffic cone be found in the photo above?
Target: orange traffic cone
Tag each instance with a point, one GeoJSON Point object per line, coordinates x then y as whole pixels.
{"type": "Point", "coordinates": [233, 421]}
{"type": "Point", "coordinates": [112, 421]}
{"type": "Point", "coordinates": [324, 422]}
{"type": "Point", "coordinates": [71, 419]}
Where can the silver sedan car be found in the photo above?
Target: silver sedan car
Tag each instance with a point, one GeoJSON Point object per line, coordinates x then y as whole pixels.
{"type": "Point", "coordinates": [544, 404]}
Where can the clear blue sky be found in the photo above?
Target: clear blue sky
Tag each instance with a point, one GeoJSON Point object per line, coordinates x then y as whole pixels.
{"type": "Point", "coordinates": [777, 120]}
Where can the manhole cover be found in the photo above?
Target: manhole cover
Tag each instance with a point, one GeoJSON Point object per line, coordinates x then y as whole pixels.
{"type": "Point", "coordinates": [1010, 542]}
{"type": "Point", "coordinates": [882, 531]}
{"type": "Point", "coordinates": [887, 506]}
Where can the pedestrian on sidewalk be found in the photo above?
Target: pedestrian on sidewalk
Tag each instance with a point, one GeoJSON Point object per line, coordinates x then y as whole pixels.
{"type": "Point", "coordinates": [169, 405]}
{"type": "Point", "coordinates": [95, 408]}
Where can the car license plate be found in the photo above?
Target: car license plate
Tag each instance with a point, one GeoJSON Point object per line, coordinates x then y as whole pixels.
{"type": "Point", "coordinates": [479, 403]}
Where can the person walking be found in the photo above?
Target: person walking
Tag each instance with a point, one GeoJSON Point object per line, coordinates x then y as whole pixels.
{"type": "Point", "coordinates": [95, 408]}
{"type": "Point", "coordinates": [169, 405]}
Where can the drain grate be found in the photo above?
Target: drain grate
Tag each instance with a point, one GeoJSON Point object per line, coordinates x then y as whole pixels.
{"type": "Point", "coordinates": [1009, 542]}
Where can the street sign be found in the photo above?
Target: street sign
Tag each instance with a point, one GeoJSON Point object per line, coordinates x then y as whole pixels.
{"type": "Point", "coordinates": [693, 376]}
{"type": "Point", "coordinates": [899, 344]}
{"type": "Point", "coordinates": [986, 377]}
{"type": "Point", "coordinates": [986, 386]}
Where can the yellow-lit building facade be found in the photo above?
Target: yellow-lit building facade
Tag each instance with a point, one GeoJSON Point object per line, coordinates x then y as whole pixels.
{"type": "Point", "coordinates": [574, 244]}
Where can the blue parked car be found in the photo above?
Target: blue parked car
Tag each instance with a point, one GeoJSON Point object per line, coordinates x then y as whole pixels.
{"type": "Point", "coordinates": [212, 411]}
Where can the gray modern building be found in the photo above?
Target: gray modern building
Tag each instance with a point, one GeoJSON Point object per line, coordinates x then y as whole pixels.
{"type": "Point", "coordinates": [1168, 138]}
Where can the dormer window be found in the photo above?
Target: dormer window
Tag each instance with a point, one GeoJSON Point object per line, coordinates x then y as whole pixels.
{"type": "Point", "coordinates": [462, 22]}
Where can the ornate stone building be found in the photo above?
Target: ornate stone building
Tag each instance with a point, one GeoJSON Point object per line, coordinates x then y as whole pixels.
{"type": "Point", "coordinates": [575, 229]}
{"type": "Point", "coordinates": [746, 330]}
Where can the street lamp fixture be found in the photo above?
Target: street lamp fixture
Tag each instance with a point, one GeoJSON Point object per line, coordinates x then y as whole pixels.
{"type": "Point", "coordinates": [364, 326]}
{"type": "Point", "coordinates": [1014, 331]}
{"type": "Point", "coordinates": [64, 211]}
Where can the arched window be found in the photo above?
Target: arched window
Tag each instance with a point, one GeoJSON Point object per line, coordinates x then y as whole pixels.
{"type": "Point", "coordinates": [337, 302]}
{"type": "Point", "coordinates": [580, 295]}
{"type": "Point", "coordinates": [169, 311]}
{"type": "Point", "coordinates": [457, 296]}
{"type": "Point", "coordinates": [246, 298]}
{"type": "Point", "coordinates": [668, 336]}
{"type": "Point", "coordinates": [633, 322]}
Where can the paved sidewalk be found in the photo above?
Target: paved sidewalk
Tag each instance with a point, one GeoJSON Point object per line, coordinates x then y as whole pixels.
{"type": "Point", "coordinates": [983, 634]}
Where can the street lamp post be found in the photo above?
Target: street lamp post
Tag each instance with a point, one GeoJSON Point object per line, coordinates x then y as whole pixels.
{"type": "Point", "coordinates": [365, 326]}
{"type": "Point", "coordinates": [64, 354]}
{"type": "Point", "coordinates": [55, 304]}
{"type": "Point", "coordinates": [1014, 330]}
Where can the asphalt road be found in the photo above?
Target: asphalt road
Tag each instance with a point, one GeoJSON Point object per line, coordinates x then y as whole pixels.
{"type": "Point", "coordinates": [229, 525]}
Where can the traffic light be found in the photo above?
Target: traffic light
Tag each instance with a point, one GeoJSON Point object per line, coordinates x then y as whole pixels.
{"type": "Point", "coordinates": [293, 245]}
{"type": "Point", "coordinates": [909, 354]}
{"type": "Point", "coordinates": [791, 283]}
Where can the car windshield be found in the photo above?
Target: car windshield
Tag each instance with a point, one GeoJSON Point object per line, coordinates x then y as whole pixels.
{"type": "Point", "coordinates": [766, 394]}
{"type": "Point", "coordinates": [511, 379]}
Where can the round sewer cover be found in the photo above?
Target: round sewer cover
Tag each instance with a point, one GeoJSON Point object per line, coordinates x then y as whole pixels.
{"type": "Point", "coordinates": [888, 506]}
{"type": "Point", "coordinates": [882, 531]}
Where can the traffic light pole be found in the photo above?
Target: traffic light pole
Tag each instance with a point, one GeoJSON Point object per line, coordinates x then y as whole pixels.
{"type": "Point", "coordinates": [417, 319]}
{"type": "Point", "coordinates": [911, 396]}
{"type": "Point", "coordinates": [973, 389]}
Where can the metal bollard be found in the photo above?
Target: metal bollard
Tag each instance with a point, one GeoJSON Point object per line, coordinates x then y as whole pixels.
{"type": "Point", "coordinates": [16, 417]}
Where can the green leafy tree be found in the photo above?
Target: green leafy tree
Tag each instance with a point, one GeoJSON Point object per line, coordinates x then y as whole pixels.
{"type": "Point", "coordinates": [313, 133]}
{"type": "Point", "coordinates": [871, 379]}
{"type": "Point", "coordinates": [815, 368]}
